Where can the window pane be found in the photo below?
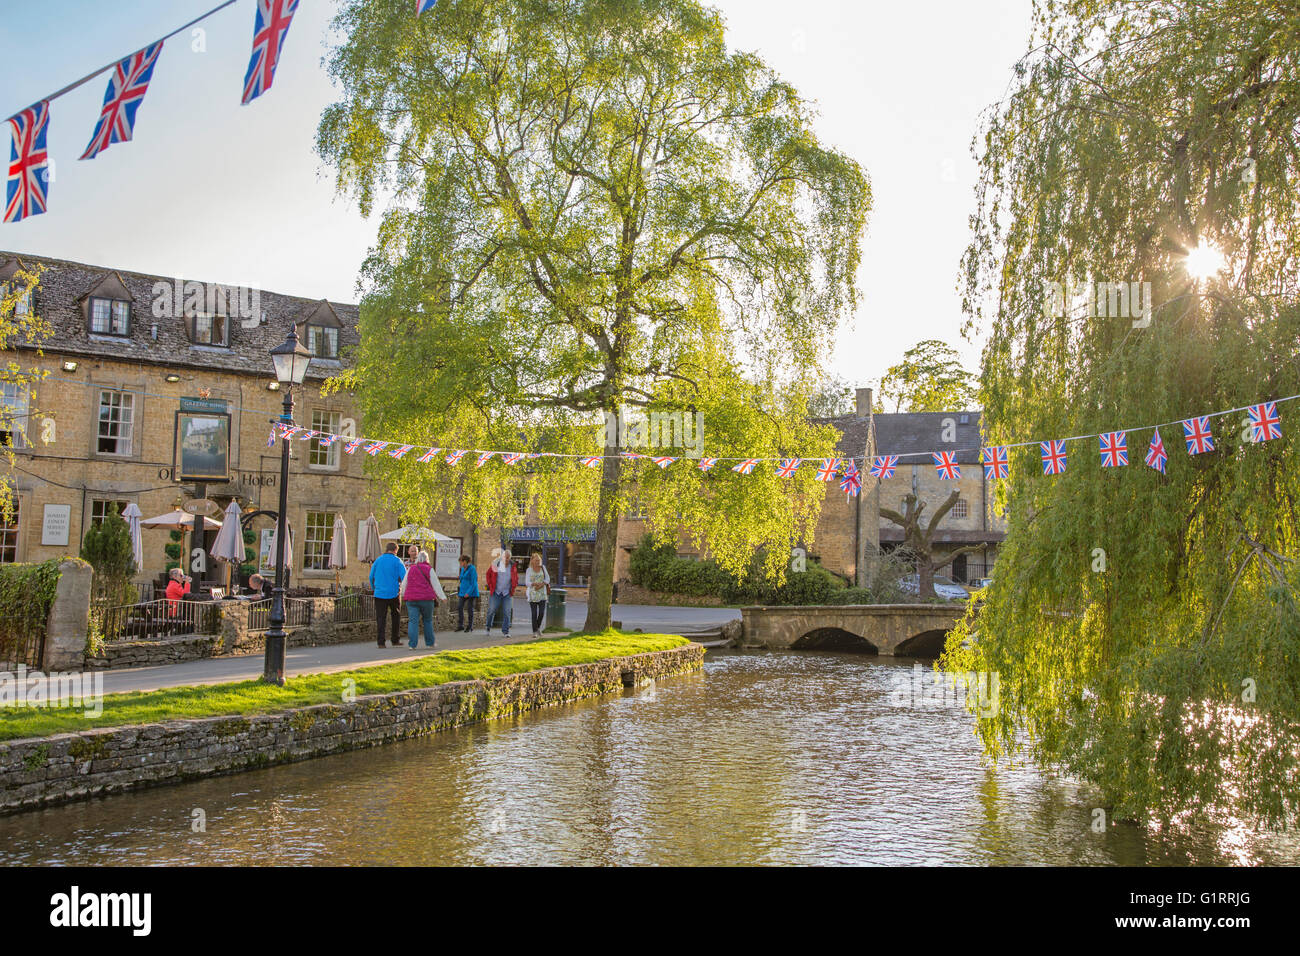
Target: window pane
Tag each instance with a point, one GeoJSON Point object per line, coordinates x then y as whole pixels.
{"type": "Point", "coordinates": [203, 328]}
{"type": "Point", "coordinates": [316, 543]}
{"type": "Point", "coordinates": [9, 536]}
{"type": "Point", "coordinates": [100, 509]}
{"type": "Point", "coordinates": [121, 316]}
{"type": "Point", "coordinates": [331, 342]}
{"type": "Point", "coordinates": [324, 456]}
{"type": "Point", "coordinates": [100, 310]}
{"type": "Point", "coordinates": [13, 415]}
{"type": "Point", "coordinates": [115, 422]}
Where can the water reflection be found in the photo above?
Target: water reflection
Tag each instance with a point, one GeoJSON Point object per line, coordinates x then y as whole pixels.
{"type": "Point", "coordinates": [764, 758]}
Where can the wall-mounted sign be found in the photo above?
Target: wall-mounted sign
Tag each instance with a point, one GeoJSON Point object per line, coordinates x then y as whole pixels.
{"type": "Point", "coordinates": [55, 525]}
{"type": "Point", "coordinates": [201, 451]}
{"type": "Point", "coordinates": [552, 534]}
{"type": "Point", "coordinates": [200, 506]}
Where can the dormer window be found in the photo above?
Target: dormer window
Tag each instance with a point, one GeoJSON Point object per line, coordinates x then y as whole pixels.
{"type": "Point", "coordinates": [323, 341]}
{"type": "Point", "coordinates": [110, 316]}
{"type": "Point", "coordinates": [208, 328]}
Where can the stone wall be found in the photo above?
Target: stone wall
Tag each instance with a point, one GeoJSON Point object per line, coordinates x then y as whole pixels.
{"type": "Point", "coordinates": [69, 619]}
{"type": "Point", "coordinates": [44, 771]}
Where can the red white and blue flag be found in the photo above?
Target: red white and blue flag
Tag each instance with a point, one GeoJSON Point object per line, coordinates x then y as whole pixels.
{"type": "Point", "coordinates": [325, 439]}
{"type": "Point", "coordinates": [852, 480]}
{"type": "Point", "coordinates": [996, 462]}
{"type": "Point", "coordinates": [706, 464]}
{"type": "Point", "coordinates": [788, 467]}
{"type": "Point", "coordinates": [1265, 423]}
{"type": "Point", "coordinates": [287, 431]}
{"type": "Point", "coordinates": [664, 461]}
{"type": "Point", "coordinates": [375, 447]}
{"type": "Point", "coordinates": [424, 6]}
{"type": "Point", "coordinates": [126, 89]}
{"type": "Point", "coordinates": [945, 463]}
{"type": "Point", "coordinates": [1114, 449]}
{"type": "Point", "coordinates": [827, 469]}
{"type": "Point", "coordinates": [456, 456]}
{"type": "Point", "coordinates": [513, 458]}
{"type": "Point", "coordinates": [400, 451]}
{"type": "Point", "coordinates": [1197, 433]}
{"type": "Point", "coordinates": [1156, 456]}
{"type": "Point", "coordinates": [353, 445]}
{"type": "Point", "coordinates": [484, 458]}
{"type": "Point", "coordinates": [28, 188]}
{"type": "Point", "coordinates": [308, 435]}
{"type": "Point", "coordinates": [746, 467]}
{"type": "Point", "coordinates": [1053, 453]}
{"type": "Point", "coordinates": [592, 461]}
{"type": "Point", "coordinates": [429, 456]}
{"type": "Point", "coordinates": [884, 466]}
{"type": "Point", "coordinates": [269, 31]}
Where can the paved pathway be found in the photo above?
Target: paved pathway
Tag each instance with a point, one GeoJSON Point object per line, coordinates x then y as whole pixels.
{"type": "Point", "coordinates": [339, 657]}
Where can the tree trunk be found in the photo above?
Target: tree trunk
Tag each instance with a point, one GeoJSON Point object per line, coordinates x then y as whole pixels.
{"type": "Point", "coordinates": [601, 593]}
{"type": "Point", "coordinates": [925, 576]}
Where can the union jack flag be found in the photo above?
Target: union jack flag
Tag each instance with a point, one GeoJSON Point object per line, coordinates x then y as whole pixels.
{"type": "Point", "coordinates": [456, 456]}
{"type": "Point", "coordinates": [746, 466]}
{"type": "Point", "coordinates": [996, 462]}
{"type": "Point", "coordinates": [424, 6]}
{"type": "Point", "coordinates": [1114, 449]}
{"type": "Point", "coordinates": [287, 431]}
{"type": "Point", "coordinates": [326, 439]}
{"type": "Point", "coordinates": [484, 458]}
{"type": "Point", "coordinates": [400, 451]}
{"type": "Point", "coordinates": [788, 467]}
{"type": "Point", "coordinates": [664, 462]}
{"type": "Point", "coordinates": [826, 471]}
{"type": "Point", "coordinates": [945, 463]}
{"type": "Point", "coordinates": [884, 466]}
{"type": "Point", "coordinates": [29, 186]}
{"type": "Point", "coordinates": [126, 89]}
{"type": "Point", "coordinates": [269, 32]}
{"type": "Point", "coordinates": [353, 445]}
{"type": "Point", "coordinates": [852, 480]}
{"type": "Point", "coordinates": [633, 454]}
{"type": "Point", "coordinates": [1053, 456]}
{"type": "Point", "coordinates": [375, 447]}
{"type": "Point", "coordinates": [270, 442]}
{"type": "Point", "coordinates": [308, 435]}
{"type": "Point", "coordinates": [1197, 433]}
{"type": "Point", "coordinates": [513, 458]}
{"type": "Point", "coordinates": [706, 464]}
{"type": "Point", "coordinates": [592, 461]}
{"type": "Point", "coordinates": [1156, 457]}
{"type": "Point", "coordinates": [429, 456]}
{"type": "Point", "coordinates": [1265, 422]}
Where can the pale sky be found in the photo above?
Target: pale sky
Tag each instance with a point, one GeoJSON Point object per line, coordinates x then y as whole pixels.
{"type": "Point", "coordinates": [214, 191]}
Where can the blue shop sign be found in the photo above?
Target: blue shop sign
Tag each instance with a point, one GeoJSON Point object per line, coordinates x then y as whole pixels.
{"type": "Point", "coordinates": [551, 534]}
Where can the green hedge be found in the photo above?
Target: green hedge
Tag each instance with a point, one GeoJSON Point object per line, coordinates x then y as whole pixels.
{"type": "Point", "coordinates": [26, 594]}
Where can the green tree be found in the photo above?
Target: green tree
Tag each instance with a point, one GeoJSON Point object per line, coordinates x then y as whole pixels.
{"type": "Point", "coordinates": [833, 399]}
{"type": "Point", "coordinates": [19, 326]}
{"type": "Point", "coordinates": [107, 549]}
{"type": "Point", "coordinates": [929, 379]}
{"type": "Point", "coordinates": [595, 207]}
{"type": "Point", "coordinates": [1145, 626]}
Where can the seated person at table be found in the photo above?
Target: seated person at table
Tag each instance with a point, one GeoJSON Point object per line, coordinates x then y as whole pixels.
{"type": "Point", "coordinates": [177, 588]}
{"type": "Point", "coordinates": [258, 588]}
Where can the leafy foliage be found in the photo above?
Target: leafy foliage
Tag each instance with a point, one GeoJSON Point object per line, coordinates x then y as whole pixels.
{"type": "Point", "coordinates": [929, 379]}
{"type": "Point", "coordinates": [595, 206]}
{"type": "Point", "coordinates": [18, 327]}
{"type": "Point", "coordinates": [26, 595]}
{"type": "Point", "coordinates": [1134, 133]}
{"type": "Point", "coordinates": [107, 549]}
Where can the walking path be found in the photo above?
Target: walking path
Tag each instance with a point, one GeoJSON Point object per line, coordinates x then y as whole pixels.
{"type": "Point", "coordinates": [340, 657]}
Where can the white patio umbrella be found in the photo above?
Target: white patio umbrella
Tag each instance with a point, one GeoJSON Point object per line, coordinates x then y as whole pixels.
{"type": "Point", "coordinates": [229, 546]}
{"type": "Point", "coordinates": [411, 532]}
{"type": "Point", "coordinates": [339, 548]}
{"type": "Point", "coordinates": [132, 516]}
{"type": "Point", "coordinates": [178, 521]}
{"type": "Point", "coordinates": [368, 545]}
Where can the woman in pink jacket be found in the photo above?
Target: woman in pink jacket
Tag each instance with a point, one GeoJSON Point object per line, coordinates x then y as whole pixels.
{"type": "Point", "coordinates": [422, 591]}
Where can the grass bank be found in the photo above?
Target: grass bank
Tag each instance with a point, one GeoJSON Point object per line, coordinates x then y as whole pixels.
{"type": "Point", "coordinates": [254, 697]}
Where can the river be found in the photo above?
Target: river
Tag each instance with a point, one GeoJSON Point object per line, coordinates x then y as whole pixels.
{"type": "Point", "coordinates": [766, 758]}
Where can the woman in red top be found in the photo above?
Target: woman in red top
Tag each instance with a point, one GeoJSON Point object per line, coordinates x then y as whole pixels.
{"type": "Point", "coordinates": [177, 588]}
{"type": "Point", "coordinates": [422, 590]}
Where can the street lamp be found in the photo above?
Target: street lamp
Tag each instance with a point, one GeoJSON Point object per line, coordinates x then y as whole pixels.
{"type": "Point", "coordinates": [291, 360]}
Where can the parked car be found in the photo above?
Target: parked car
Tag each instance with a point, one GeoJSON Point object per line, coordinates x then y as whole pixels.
{"type": "Point", "coordinates": [945, 587]}
{"type": "Point", "coordinates": [978, 585]}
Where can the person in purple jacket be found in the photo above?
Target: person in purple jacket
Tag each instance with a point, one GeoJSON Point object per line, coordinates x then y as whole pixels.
{"type": "Point", "coordinates": [423, 591]}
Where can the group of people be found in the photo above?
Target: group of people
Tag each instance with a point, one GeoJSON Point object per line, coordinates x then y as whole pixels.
{"type": "Point", "coordinates": [393, 581]}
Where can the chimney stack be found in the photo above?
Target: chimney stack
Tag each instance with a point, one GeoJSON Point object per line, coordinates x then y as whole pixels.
{"type": "Point", "coordinates": [863, 402]}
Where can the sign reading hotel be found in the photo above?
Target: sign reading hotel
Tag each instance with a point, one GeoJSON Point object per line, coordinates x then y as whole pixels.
{"type": "Point", "coordinates": [201, 451]}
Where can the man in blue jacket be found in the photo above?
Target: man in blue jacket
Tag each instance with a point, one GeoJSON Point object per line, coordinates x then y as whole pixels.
{"type": "Point", "coordinates": [468, 594]}
{"type": "Point", "coordinates": [386, 581]}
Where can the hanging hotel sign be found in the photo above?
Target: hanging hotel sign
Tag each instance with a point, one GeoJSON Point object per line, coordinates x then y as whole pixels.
{"type": "Point", "coordinates": [201, 450]}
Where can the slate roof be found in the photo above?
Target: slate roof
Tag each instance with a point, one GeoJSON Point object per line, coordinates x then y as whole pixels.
{"type": "Point", "coordinates": [909, 433]}
{"type": "Point", "coordinates": [64, 284]}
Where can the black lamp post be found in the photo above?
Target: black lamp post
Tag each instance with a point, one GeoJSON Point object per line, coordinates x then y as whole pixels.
{"type": "Point", "coordinates": [291, 360]}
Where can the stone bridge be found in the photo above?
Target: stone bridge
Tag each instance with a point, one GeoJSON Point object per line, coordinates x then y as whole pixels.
{"type": "Point", "coordinates": [909, 630]}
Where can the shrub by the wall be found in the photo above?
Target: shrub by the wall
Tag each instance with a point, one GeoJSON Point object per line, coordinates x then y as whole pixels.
{"type": "Point", "coordinates": [26, 594]}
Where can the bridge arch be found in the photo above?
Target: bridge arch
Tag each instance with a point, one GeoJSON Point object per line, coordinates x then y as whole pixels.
{"type": "Point", "coordinates": [834, 639]}
{"type": "Point", "coordinates": [925, 644]}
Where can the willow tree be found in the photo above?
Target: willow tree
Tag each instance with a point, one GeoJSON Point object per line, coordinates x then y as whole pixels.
{"type": "Point", "coordinates": [1145, 625]}
{"type": "Point", "coordinates": [593, 206]}
{"type": "Point", "coordinates": [20, 327]}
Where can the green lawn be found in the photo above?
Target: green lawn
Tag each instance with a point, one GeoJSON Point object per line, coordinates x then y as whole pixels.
{"type": "Point", "coordinates": [254, 697]}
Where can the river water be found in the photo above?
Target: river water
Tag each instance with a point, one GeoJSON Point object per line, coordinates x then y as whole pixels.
{"type": "Point", "coordinates": [769, 758]}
